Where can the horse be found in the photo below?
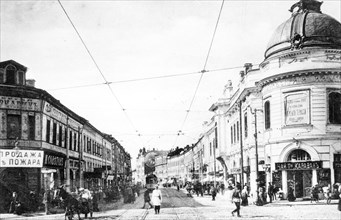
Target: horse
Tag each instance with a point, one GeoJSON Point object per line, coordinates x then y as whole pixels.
{"type": "Point", "coordinates": [72, 205]}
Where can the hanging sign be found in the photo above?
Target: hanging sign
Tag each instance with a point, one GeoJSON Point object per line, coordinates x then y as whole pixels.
{"type": "Point", "coordinates": [21, 158]}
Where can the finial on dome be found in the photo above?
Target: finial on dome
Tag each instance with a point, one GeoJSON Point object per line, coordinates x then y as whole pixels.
{"type": "Point", "coordinates": [305, 5]}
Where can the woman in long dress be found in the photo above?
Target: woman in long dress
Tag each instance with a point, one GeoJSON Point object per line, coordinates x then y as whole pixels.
{"type": "Point", "coordinates": [157, 199]}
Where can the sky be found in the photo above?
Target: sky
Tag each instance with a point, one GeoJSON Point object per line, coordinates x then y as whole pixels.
{"type": "Point", "coordinates": [132, 68]}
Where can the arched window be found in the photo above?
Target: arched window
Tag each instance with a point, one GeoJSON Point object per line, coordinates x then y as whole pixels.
{"type": "Point", "coordinates": [298, 155]}
{"type": "Point", "coordinates": [267, 114]}
{"type": "Point", "coordinates": [10, 74]}
{"type": "Point", "coordinates": [334, 102]}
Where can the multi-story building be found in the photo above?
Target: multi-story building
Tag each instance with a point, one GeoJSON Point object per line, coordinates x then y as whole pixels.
{"type": "Point", "coordinates": [283, 123]}
{"type": "Point", "coordinates": [43, 144]}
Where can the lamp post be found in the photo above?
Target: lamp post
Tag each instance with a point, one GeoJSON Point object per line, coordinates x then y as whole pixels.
{"type": "Point", "coordinates": [254, 112]}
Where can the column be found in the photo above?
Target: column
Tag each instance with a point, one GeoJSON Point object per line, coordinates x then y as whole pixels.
{"type": "Point", "coordinates": [314, 178]}
{"type": "Point", "coordinates": [285, 183]}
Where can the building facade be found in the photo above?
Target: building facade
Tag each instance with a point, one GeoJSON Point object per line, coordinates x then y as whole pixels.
{"type": "Point", "coordinates": [43, 144]}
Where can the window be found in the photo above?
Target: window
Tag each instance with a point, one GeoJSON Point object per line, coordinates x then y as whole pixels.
{"type": "Point", "coordinates": [237, 130]}
{"type": "Point", "coordinates": [48, 125]}
{"type": "Point", "coordinates": [234, 133]}
{"type": "Point", "coordinates": [2, 76]}
{"type": "Point", "coordinates": [70, 141]}
{"type": "Point", "coordinates": [245, 125]}
{"type": "Point", "coordinates": [231, 135]}
{"type": "Point", "coordinates": [13, 126]}
{"type": "Point", "coordinates": [10, 75]}
{"type": "Point", "coordinates": [31, 127]}
{"type": "Point", "coordinates": [298, 155]}
{"type": "Point", "coordinates": [75, 145]}
{"type": "Point", "coordinates": [20, 77]}
{"type": "Point", "coordinates": [210, 149]}
{"type": "Point", "coordinates": [65, 138]}
{"type": "Point", "coordinates": [54, 133]}
{"type": "Point", "coordinates": [334, 101]}
{"type": "Point", "coordinates": [60, 135]}
{"type": "Point", "coordinates": [267, 114]}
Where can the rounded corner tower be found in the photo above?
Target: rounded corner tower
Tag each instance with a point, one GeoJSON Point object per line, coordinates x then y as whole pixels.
{"type": "Point", "coordinates": [308, 27]}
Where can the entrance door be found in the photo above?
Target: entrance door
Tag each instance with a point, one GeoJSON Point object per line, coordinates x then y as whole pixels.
{"type": "Point", "coordinates": [299, 180]}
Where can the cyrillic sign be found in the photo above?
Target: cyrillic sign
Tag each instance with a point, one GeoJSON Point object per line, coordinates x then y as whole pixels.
{"type": "Point", "coordinates": [53, 160]}
{"type": "Point", "coordinates": [306, 165]}
{"type": "Point", "coordinates": [21, 158]}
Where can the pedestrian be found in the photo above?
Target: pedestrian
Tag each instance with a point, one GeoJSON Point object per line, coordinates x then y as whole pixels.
{"type": "Point", "coordinates": [327, 193]}
{"type": "Point", "coordinates": [157, 199]}
{"type": "Point", "coordinates": [270, 191]}
{"type": "Point", "coordinates": [15, 206]}
{"type": "Point", "coordinates": [244, 196]}
{"type": "Point", "coordinates": [339, 206]}
{"type": "Point", "coordinates": [236, 195]}
{"type": "Point", "coordinates": [314, 194]}
{"type": "Point", "coordinates": [147, 199]}
{"type": "Point", "coordinates": [222, 188]}
{"type": "Point", "coordinates": [213, 192]}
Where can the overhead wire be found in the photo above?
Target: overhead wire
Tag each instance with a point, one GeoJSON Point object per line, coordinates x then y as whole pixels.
{"type": "Point", "coordinates": [203, 71]}
{"type": "Point", "coordinates": [97, 66]}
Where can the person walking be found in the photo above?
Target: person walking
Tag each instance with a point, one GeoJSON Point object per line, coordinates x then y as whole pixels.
{"type": "Point", "coordinates": [147, 199]}
{"type": "Point", "coordinates": [327, 193]}
{"type": "Point", "coordinates": [244, 196]}
{"type": "Point", "coordinates": [236, 200]}
{"type": "Point", "coordinates": [157, 199]}
{"type": "Point", "coordinates": [213, 192]}
{"type": "Point", "coordinates": [270, 191]}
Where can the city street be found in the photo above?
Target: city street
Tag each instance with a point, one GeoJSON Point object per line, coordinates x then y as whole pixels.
{"type": "Point", "coordinates": [177, 205]}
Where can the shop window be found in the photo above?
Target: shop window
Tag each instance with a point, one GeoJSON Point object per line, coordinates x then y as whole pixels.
{"type": "Point", "coordinates": [337, 157]}
{"type": "Point", "coordinates": [267, 114]}
{"type": "Point", "coordinates": [13, 126]}
{"type": "Point", "coordinates": [245, 125]}
{"type": "Point", "coordinates": [48, 125]}
{"type": "Point", "coordinates": [334, 101]}
{"type": "Point", "coordinates": [31, 127]}
{"type": "Point", "coordinates": [10, 75]}
{"type": "Point", "coordinates": [298, 155]}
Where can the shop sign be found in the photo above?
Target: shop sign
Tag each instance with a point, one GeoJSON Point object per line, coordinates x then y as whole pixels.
{"type": "Point", "coordinates": [236, 170]}
{"type": "Point", "coordinates": [21, 158]}
{"type": "Point", "coordinates": [53, 160]}
{"type": "Point", "coordinates": [297, 108]}
{"type": "Point", "coordinates": [307, 165]}
{"type": "Point", "coordinates": [19, 103]}
{"type": "Point", "coordinates": [337, 165]}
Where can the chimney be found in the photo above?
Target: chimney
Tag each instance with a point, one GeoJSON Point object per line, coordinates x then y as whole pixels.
{"type": "Point", "coordinates": [248, 67]}
{"type": "Point", "coordinates": [30, 82]}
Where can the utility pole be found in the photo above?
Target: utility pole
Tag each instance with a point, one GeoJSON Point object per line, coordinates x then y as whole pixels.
{"type": "Point", "coordinates": [256, 147]}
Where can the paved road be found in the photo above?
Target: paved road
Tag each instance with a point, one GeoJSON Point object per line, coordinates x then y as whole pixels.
{"type": "Point", "coordinates": [178, 206]}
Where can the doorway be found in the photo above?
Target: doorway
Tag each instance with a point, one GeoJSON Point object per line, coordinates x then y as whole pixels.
{"type": "Point", "coordinates": [299, 181]}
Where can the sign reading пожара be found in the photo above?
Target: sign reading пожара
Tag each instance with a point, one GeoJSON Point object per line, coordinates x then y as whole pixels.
{"type": "Point", "coordinates": [21, 158]}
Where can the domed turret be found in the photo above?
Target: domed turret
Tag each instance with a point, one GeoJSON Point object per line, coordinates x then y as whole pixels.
{"type": "Point", "coordinates": [307, 27]}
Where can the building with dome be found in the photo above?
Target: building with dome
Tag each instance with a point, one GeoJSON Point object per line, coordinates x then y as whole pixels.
{"type": "Point", "coordinates": [282, 123]}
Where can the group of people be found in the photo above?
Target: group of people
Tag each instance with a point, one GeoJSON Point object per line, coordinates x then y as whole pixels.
{"type": "Point", "coordinates": [155, 201]}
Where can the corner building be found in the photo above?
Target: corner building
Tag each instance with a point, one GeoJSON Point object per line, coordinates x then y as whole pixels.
{"type": "Point", "coordinates": [283, 123]}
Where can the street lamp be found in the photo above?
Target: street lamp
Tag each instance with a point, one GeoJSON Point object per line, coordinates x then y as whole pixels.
{"type": "Point", "coordinates": [254, 112]}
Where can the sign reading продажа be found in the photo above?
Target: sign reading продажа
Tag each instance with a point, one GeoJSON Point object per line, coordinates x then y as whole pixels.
{"type": "Point", "coordinates": [21, 158]}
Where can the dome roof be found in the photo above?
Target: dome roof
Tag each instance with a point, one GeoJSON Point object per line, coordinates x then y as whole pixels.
{"type": "Point", "coordinates": [307, 27]}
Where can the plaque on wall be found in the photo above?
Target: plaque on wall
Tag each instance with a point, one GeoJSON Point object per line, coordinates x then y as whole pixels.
{"type": "Point", "coordinates": [296, 105]}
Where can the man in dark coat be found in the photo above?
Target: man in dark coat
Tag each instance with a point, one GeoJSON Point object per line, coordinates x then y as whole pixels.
{"type": "Point", "coordinates": [147, 199]}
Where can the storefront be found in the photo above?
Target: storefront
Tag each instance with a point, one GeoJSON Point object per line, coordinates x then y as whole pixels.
{"type": "Point", "coordinates": [299, 174]}
{"type": "Point", "coordinates": [53, 169]}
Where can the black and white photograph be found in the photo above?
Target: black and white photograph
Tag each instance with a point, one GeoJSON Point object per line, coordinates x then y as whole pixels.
{"type": "Point", "coordinates": [170, 109]}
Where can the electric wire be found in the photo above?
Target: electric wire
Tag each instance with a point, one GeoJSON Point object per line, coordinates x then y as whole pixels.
{"type": "Point", "coordinates": [97, 66]}
{"type": "Point", "coordinates": [203, 71]}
